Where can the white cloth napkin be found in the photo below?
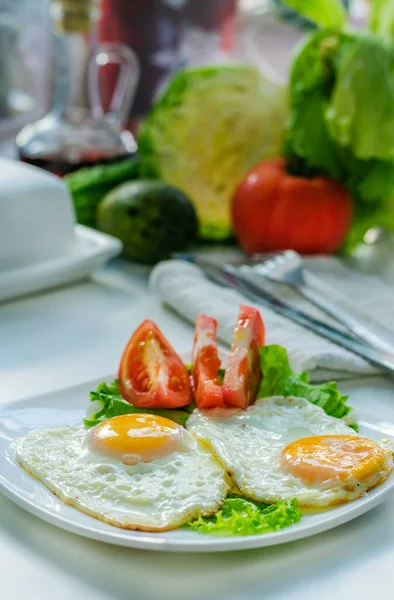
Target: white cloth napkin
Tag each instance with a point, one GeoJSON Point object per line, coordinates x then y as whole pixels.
{"type": "Point", "coordinates": [183, 287]}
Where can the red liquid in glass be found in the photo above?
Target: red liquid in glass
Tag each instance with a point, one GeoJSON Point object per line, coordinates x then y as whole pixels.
{"type": "Point", "coordinates": [59, 166]}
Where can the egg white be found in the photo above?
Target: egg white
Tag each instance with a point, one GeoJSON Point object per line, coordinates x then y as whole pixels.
{"type": "Point", "coordinates": [155, 496]}
{"type": "Point", "coordinates": [249, 445]}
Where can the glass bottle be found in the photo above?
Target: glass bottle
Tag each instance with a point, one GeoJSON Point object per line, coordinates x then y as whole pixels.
{"type": "Point", "coordinates": [78, 131]}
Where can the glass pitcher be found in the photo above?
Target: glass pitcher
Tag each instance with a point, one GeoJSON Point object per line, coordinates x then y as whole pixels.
{"type": "Point", "coordinates": [78, 131]}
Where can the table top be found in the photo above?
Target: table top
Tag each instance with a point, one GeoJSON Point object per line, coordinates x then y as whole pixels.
{"type": "Point", "coordinates": [63, 337]}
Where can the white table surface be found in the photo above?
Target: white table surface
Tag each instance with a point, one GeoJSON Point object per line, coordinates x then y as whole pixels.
{"type": "Point", "coordinates": [70, 335]}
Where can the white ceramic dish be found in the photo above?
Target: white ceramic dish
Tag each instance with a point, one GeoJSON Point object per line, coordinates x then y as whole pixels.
{"type": "Point", "coordinates": [69, 406]}
{"type": "Point", "coordinates": [90, 250]}
{"type": "Point", "coordinates": [40, 244]}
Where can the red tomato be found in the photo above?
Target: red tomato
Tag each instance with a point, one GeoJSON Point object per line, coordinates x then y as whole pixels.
{"type": "Point", "coordinates": [273, 210]}
{"type": "Point", "coordinates": [151, 374]}
{"type": "Point", "coordinates": [206, 364]}
{"type": "Point", "coordinates": [243, 372]}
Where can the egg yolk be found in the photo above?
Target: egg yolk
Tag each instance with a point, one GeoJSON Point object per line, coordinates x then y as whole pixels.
{"type": "Point", "coordinates": [136, 438]}
{"type": "Point", "coordinates": [319, 459]}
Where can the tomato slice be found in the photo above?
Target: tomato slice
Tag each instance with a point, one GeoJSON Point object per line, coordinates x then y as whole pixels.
{"type": "Point", "coordinates": [243, 372]}
{"type": "Point", "coordinates": [206, 363]}
{"type": "Point", "coordinates": [151, 374]}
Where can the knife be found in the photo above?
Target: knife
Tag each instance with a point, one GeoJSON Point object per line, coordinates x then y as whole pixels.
{"type": "Point", "coordinates": [228, 277]}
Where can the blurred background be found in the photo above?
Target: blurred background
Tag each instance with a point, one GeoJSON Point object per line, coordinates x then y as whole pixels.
{"type": "Point", "coordinates": [79, 83]}
{"type": "Point", "coordinates": [165, 34]}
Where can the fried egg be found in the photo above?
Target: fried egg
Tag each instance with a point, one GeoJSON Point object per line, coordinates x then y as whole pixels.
{"type": "Point", "coordinates": [134, 471]}
{"type": "Point", "coordinates": [284, 447]}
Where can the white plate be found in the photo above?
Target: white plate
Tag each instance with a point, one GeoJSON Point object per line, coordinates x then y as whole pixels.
{"type": "Point", "coordinates": [68, 406]}
{"type": "Point", "coordinates": [90, 251]}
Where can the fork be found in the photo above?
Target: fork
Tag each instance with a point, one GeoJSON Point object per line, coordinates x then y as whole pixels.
{"type": "Point", "coordinates": [288, 268]}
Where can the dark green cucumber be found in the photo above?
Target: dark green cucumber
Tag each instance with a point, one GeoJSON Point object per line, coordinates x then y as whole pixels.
{"type": "Point", "coordinates": [89, 185]}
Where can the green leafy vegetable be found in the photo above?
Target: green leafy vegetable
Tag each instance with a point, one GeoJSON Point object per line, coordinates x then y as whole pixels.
{"type": "Point", "coordinates": [381, 18]}
{"type": "Point", "coordinates": [111, 404]}
{"type": "Point", "coordinates": [360, 113]}
{"type": "Point", "coordinates": [207, 130]}
{"type": "Point", "coordinates": [279, 380]}
{"type": "Point", "coordinates": [311, 80]}
{"type": "Point", "coordinates": [341, 121]}
{"type": "Point", "coordinates": [324, 13]}
{"type": "Point", "coordinates": [241, 516]}
{"type": "Point", "coordinates": [372, 186]}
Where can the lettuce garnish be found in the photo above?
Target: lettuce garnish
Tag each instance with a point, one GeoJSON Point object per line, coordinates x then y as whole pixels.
{"type": "Point", "coordinates": [242, 516]}
{"type": "Point", "coordinates": [111, 404]}
{"type": "Point", "coordinates": [279, 380]}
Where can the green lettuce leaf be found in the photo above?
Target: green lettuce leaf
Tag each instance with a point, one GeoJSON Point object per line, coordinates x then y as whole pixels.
{"type": "Point", "coordinates": [241, 516]}
{"type": "Point", "coordinates": [372, 187]}
{"type": "Point", "coordinates": [341, 122]}
{"type": "Point", "coordinates": [109, 403]}
{"type": "Point", "coordinates": [381, 18]}
{"type": "Point", "coordinates": [279, 380]}
{"type": "Point", "coordinates": [324, 13]}
{"type": "Point", "coordinates": [360, 114]}
{"type": "Point", "coordinates": [311, 81]}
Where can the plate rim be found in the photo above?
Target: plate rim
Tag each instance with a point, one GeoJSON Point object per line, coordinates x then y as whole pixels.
{"type": "Point", "coordinates": [158, 541]}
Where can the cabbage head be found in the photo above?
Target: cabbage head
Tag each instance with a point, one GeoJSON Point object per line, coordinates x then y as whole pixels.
{"type": "Point", "coordinates": [206, 131]}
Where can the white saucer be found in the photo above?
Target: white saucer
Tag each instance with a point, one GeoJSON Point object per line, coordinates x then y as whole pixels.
{"type": "Point", "coordinates": [89, 252]}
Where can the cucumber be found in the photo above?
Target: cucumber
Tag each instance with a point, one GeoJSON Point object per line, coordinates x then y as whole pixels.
{"type": "Point", "coordinates": [89, 185]}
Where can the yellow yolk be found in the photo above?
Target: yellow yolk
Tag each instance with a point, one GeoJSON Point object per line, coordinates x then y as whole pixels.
{"type": "Point", "coordinates": [318, 459]}
{"type": "Point", "coordinates": [136, 438]}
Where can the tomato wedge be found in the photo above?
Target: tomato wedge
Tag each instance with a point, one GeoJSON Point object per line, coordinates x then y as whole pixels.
{"type": "Point", "coordinates": [151, 374]}
{"type": "Point", "coordinates": [205, 364]}
{"type": "Point", "coordinates": [243, 372]}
